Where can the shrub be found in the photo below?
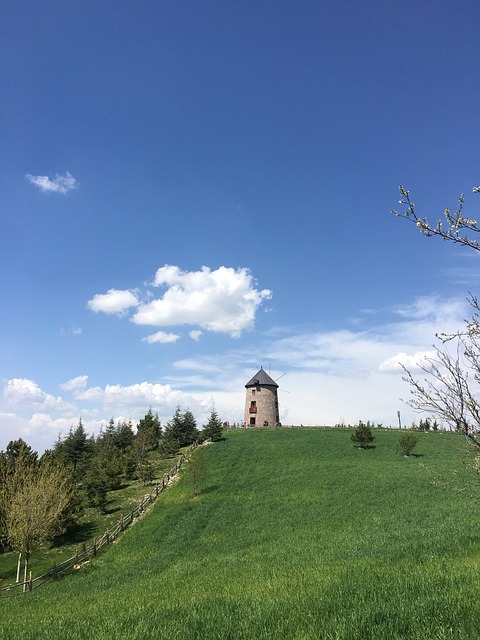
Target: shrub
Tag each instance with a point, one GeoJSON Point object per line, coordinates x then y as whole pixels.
{"type": "Point", "coordinates": [407, 442]}
{"type": "Point", "coordinates": [362, 436]}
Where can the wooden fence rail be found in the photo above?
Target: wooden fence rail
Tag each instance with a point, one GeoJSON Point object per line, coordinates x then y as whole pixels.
{"type": "Point", "coordinates": [86, 552]}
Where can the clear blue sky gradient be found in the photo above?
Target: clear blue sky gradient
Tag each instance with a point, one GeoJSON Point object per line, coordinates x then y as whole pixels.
{"type": "Point", "coordinates": [265, 135]}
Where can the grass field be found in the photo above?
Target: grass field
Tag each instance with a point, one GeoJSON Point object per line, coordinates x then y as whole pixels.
{"type": "Point", "coordinates": [296, 535]}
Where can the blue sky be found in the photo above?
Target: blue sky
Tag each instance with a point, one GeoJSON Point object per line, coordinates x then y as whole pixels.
{"type": "Point", "coordinates": [192, 190]}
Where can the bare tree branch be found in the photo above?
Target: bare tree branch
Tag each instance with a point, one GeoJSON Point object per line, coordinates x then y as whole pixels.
{"type": "Point", "coordinates": [458, 228]}
{"type": "Point", "coordinates": [448, 388]}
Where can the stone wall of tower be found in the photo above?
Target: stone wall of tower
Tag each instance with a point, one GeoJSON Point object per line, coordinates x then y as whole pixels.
{"type": "Point", "coordinates": [261, 404]}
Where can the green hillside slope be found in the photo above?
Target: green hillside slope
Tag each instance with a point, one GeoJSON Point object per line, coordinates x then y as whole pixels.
{"type": "Point", "coordinates": [296, 535]}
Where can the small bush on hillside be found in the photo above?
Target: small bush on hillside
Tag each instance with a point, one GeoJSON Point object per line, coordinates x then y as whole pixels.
{"type": "Point", "coordinates": [407, 442]}
{"type": "Point", "coordinates": [362, 436]}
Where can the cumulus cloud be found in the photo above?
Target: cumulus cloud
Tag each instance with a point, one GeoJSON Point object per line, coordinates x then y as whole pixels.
{"type": "Point", "coordinates": [40, 430]}
{"type": "Point", "coordinates": [135, 399]}
{"type": "Point", "coordinates": [75, 384]}
{"type": "Point", "coordinates": [143, 393]}
{"type": "Point", "coordinates": [224, 300]}
{"type": "Point", "coordinates": [195, 334]}
{"type": "Point", "coordinates": [161, 337]}
{"type": "Point", "coordinates": [26, 393]}
{"type": "Point", "coordinates": [61, 183]}
{"type": "Point", "coordinates": [412, 362]}
{"type": "Point", "coordinates": [115, 301]}
{"type": "Point", "coordinates": [46, 425]}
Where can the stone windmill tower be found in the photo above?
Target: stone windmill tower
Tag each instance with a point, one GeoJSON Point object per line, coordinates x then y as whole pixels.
{"type": "Point", "coordinates": [261, 402]}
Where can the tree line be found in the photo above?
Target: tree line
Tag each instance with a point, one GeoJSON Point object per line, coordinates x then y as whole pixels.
{"type": "Point", "coordinates": [42, 497]}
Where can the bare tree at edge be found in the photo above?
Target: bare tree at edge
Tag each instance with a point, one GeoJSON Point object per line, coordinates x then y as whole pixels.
{"type": "Point", "coordinates": [448, 389]}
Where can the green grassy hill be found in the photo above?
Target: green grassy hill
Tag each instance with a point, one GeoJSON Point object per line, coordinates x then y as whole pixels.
{"type": "Point", "coordinates": [296, 535]}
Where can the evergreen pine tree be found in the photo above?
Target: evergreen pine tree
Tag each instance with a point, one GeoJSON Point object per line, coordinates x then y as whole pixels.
{"type": "Point", "coordinates": [362, 436]}
{"type": "Point", "coordinates": [182, 428]}
{"type": "Point", "coordinates": [150, 429]}
{"type": "Point", "coordinates": [190, 431]}
{"type": "Point", "coordinates": [75, 447]}
{"type": "Point", "coordinates": [214, 428]}
{"type": "Point", "coordinates": [169, 445]}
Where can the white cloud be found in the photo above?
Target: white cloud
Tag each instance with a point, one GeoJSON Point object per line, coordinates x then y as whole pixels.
{"type": "Point", "coordinates": [44, 424]}
{"type": "Point", "coordinates": [224, 300]}
{"type": "Point", "coordinates": [134, 400]}
{"type": "Point", "coordinates": [26, 393]}
{"type": "Point", "coordinates": [41, 430]}
{"type": "Point", "coordinates": [433, 309]}
{"type": "Point", "coordinates": [71, 330]}
{"type": "Point", "coordinates": [13, 427]}
{"type": "Point", "coordinates": [161, 337]}
{"type": "Point", "coordinates": [143, 393]}
{"type": "Point", "coordinates": [318, 398]}
{"type": "Point", "coordinates": [412, 362]}
{"type": "Point", "coordinates": [75, 384]}
{"type": "Point", "coordinates": [337, 352]}
{"type": "Point", "coordinates": [61, 183]}
{"type": "Point", "coordinates": [115, 301]}
{"type": "Point", "coordinates": [195, 334]}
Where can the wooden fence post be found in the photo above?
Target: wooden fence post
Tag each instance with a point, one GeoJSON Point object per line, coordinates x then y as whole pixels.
{"type": "Point", "coordinates": [121, 522]}
{"type": "Point", "coordinates": [94, 546]}
{"type": "Point", "coordinates": [30, 583]}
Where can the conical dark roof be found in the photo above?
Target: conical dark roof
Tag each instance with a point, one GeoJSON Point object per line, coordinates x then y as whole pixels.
{"type": "Point", "coordinates": [261, 378]}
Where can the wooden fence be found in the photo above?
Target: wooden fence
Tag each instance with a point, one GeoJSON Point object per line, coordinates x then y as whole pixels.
{"type": "Point", "coordinates": [91, 549]}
